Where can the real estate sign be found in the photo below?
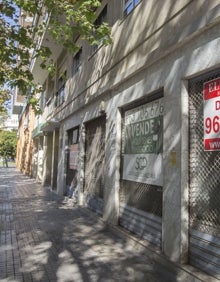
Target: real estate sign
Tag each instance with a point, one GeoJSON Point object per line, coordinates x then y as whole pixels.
{"type": "Point", "coordinates": [211, 96]}
{"type": "Point", "coordinates": [143, 143]}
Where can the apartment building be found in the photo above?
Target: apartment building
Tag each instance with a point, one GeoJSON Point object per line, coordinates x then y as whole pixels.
{"type": "Point", "coordinates": [132, 129]}
{"type": "Point", "coordinates": [24, 155]}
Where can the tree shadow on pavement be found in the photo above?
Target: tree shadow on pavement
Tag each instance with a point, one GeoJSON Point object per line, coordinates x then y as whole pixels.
{"type": "Point", "coordinates": [48, 239]}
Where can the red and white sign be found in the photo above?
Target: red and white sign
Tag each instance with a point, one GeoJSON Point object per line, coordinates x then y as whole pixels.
{"type": "Point", "coordinates": [211, 96]}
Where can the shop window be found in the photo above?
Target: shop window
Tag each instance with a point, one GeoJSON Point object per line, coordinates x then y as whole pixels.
{"type": "Point", "coordinates": [129, 5]}
{"type": "Point", "coordinates": [77, 61]}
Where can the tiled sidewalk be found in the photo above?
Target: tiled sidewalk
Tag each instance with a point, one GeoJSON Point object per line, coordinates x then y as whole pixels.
{"type": "Point", "coordinates": [45, 239]}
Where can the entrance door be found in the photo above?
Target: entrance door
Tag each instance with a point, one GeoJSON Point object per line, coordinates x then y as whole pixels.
{"type": "Point", "coordinates": [204, 174]}
{"type": "Point", "coordinates": [95, 164]}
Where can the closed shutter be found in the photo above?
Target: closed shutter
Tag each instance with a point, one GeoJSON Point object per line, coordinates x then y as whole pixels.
{"type": "Point", "coordinates": [140, 194]}
{"type": "Point", "coordinates": [95, 164]}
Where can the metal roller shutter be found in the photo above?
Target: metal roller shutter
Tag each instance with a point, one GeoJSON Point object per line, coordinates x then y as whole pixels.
{"type": "Point", "coordinates": [94, 164]}
{"type": "Point", "coordinates": [140, 199]}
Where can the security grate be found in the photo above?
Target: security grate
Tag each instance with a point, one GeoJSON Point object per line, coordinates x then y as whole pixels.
{"type": "Point", "coordinates": [142, 196]}
{"type": "Point", "coordinates": [145, 197]}
{"type": "Point", "coordinates": [94, 158]}
{"type": "Point", "coordinates": [204, 166]}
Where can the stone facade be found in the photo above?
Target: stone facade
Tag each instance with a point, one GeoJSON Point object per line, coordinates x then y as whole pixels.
{"type": "Point", "coordinates": [157, 48]}
{"type": "Point", "coordinates": [25, 143]}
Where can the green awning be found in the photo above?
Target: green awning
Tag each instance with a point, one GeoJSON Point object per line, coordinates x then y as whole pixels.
{"type": "Point", "coordinates": [50, 125]}
{"type": "Point", "coordinates": [38, 130]}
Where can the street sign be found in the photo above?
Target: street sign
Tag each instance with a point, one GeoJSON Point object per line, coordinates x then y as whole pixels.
{"type": "Point", "coordinates": [211, 96]}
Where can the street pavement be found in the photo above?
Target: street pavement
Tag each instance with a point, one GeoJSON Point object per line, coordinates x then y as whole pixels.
{"type": "Point", "coordinates": [45, 238]}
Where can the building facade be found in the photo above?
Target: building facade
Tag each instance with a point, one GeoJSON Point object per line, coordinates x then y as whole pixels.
{"type": "Point", "coordinates": [10, 123]}
{"type": "Point", "coordinates": [131, 130]}
{"type": "Point", "coordinates": [24, 156]}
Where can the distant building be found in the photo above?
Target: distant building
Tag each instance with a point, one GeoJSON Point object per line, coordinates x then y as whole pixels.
{"type": "Point", "coordinates": [25, 142]}
{"type": "Point", "coordinates": [17, 102]}
{"type": "Point", "coordinates": [11, 123]}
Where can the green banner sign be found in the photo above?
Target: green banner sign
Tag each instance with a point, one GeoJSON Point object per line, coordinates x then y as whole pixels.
{"type": "Point", "coordinates": [143, 143]}
{"type": "Point", "coordinates": [144, 136]}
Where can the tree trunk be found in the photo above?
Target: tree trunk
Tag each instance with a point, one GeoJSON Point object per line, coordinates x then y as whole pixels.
{"type": "Point", "coordinates": [6, 162]}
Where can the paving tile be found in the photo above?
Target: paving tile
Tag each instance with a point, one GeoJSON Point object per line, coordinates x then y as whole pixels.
{"type": "Point", "coordinates": [46, 239]}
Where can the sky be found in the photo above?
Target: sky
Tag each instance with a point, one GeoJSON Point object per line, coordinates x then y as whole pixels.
{"type": "Point", "coordinates": [10, 21]}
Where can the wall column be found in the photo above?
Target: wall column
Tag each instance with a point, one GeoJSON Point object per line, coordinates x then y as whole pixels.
{"type": "Point", "coordinates": [55, 149]}
{"type": "Point", "coordinates": [47, 165]}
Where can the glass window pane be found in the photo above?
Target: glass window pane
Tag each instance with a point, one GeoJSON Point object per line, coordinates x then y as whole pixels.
{"type": "Point", "coordinates": [136, 2]}
{"type": "Point", "coordinates": [130, 5]}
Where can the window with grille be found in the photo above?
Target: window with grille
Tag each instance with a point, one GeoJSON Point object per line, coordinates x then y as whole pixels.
{"type": "Point", "coordinates": [73, 136]}
{"type": "Point", "coordinates": [141, 186]}
{"type": "Point", "coordinates": [77, 61]}
{"type": "Point", "coordinates": [102, 18]}
{"type": "Point", "coordinates": [61, 93]}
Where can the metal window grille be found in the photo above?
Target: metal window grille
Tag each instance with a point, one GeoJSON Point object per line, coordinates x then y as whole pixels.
{"type": "Point", "coordinates": [145, 197]}
{"type": "Point", "coordinates": [77, 61]}
{"type": "Point", "coordinates": [102, 18]}
{"type": "Point", "coordinates": [61, 93]}
{"type": "Point", "coordinates": [142, 196]}
{"type": "Point", "coordinates": [94, 157]}
{"type": "Point", "coordinates": [204, 166]}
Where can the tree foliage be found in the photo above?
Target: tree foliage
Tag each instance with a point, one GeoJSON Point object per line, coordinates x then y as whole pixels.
{"type": "Point", "coordinates": [4, 97]}
{"type": "Point", "coordinates": [64, 20]}
{"type": "Point", "coordinates": [8, 144]}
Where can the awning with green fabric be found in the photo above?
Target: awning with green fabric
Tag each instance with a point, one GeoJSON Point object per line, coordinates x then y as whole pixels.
{"type": "Point", "coordinates": [38, 130]}
{"type": "Point", "coordinates": [47, 126]}
{"type": "Point", "coordinates": [50, 125]}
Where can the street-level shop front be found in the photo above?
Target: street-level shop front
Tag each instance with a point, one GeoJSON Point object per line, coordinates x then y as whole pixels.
{"type": "Point", "coordinates": [204, 165]}
{"type": "Point", "coordinates": [95, 131]}
{"type": "Point", "coordinates": [141, 186]}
